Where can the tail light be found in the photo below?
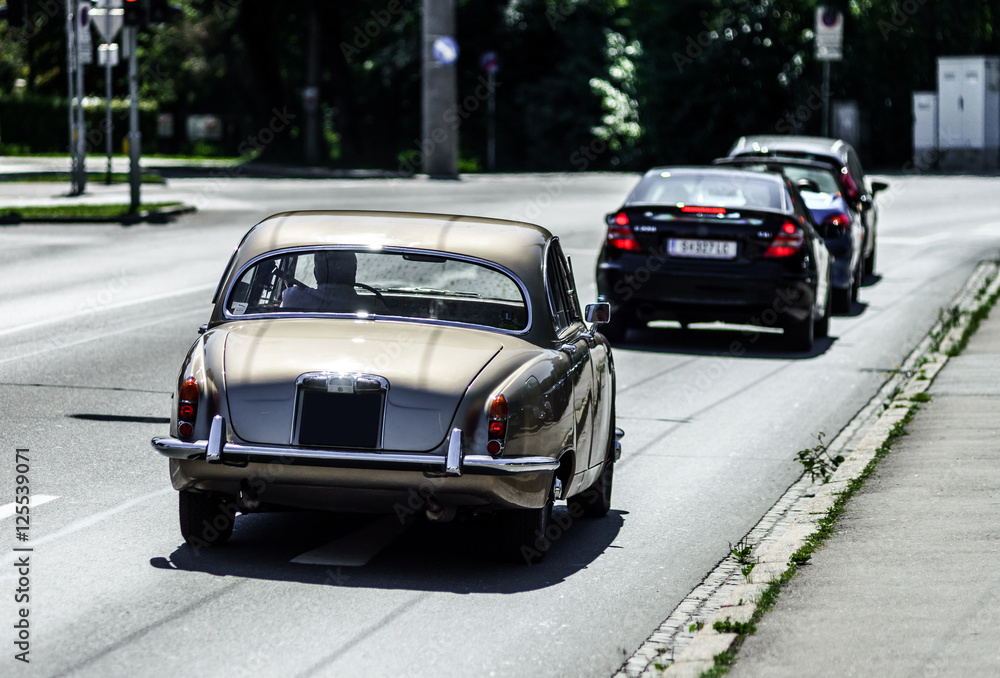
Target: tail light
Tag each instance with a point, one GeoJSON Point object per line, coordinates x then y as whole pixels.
{"type": "Point", "coordinates": [694, 209]}
{"type": "Point", "coordinates": [838, 221]}
{"type": "Point", "coordinates": [497, 426]}
{"type": "Point", "coordinates": [187, 408]}
{"type": "Point", "coordinates": [788, 241]}
{"type": "Point", "coordinates": [620, 234]}
{"type": "Point", "coordinates": [850, 188]}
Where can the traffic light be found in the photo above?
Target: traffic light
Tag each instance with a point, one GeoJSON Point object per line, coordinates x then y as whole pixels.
{"type": "Point", "coordinates": [134, 13]}
{"type": "Point", "coordinates": [16, 11]}
{"type": "Point", "coordinates": [161, 11]}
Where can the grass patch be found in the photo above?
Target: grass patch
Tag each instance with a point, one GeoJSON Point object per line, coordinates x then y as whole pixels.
{"type": "Point", "coordinates": [975, 320]}
{"type": "Point", "coordinates": [78, 211]}
{"type": "Point", "coordinates": [769, 597]}
{"type": "Point", "coordinates": [92, 178]}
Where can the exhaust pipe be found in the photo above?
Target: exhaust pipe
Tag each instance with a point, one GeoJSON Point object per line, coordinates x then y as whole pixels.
{"type": "Point", "coordinates": [440, 514]}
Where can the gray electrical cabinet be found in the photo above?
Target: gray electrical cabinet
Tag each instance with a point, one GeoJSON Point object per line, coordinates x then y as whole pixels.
{"type": "Point", "coordinates": [925, 130]}
{"type": "Point", "coordinates": [969, 112]}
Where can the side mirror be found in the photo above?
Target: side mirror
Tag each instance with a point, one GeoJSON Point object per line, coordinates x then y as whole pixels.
{"type": "Point", "coordinates": [599, 313]}
{"type": "Point", "coordinates": [878, 186]}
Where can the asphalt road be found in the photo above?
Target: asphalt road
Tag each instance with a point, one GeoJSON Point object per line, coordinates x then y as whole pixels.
{"type": "Point", "coordinates": [94, 322]}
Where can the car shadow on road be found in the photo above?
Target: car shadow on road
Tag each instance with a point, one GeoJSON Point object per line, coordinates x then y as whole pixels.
{"type": "Point", "coordinates": [871, 279]}
{"type": "Point", "coordinates": [452, 557]}
{"type": "Point", "coordinates": [720, 340]}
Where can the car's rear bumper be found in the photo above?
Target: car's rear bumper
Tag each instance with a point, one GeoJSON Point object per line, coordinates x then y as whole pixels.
{"type": "Point", "coordinates": [355, 480]}
{"type": "Point", "coordinates": [705, 293]}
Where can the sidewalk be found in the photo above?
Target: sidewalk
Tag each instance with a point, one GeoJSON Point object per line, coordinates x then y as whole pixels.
{"type": "Point", "coordinates": [909, 583]}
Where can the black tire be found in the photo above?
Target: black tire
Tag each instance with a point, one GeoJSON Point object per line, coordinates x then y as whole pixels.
{"type": "Point", "coordinates": [844, 298]}
{"type": "Point", "coordinates": [616, 329]}
{"type": "Point", "coordinates": [870, 259]}
{"type": "Point", "coordinates": [821, 327]}
{"type": "Point", "coordinates": [856, 288]}
{"type": "Point", "coordinates": [595, 501]}
{"type": "Point", "coordinates": [521, 533]}
{"type": "Point", "coordinates": [206, 519]}
{"type": "Point", "coordinates": [799, 334]}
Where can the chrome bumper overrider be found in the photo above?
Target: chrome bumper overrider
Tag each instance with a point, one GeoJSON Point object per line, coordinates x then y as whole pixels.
{"type": "Point", "coordinates": [453, 463]}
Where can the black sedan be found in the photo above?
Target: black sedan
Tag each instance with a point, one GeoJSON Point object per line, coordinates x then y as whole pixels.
{"type": "Point", "coordinates": [696, 244]}
{"type": "Point", "coordinates": [840, 223]}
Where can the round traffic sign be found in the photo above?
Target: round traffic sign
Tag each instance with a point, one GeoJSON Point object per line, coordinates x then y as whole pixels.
{"type": "Point", "coordinates": [445, 50]}
{"type": "Point", "coordinates": [490, 62]}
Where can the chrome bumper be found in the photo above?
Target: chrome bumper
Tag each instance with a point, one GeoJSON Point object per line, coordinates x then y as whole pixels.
{"type": "Point", "coordinates": [453, 463]}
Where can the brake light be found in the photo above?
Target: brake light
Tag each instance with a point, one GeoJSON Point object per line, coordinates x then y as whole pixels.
{"type": "Point", "coordinates": [620, 234]}
{"type": "Point", "coordinates": [788, 241]}
{"type": "Point", "coordinates": [497, 426]}
{"type": "Point", "coordinates": [840, 221]}
{"type": "Point", "coordinates": [702, 210]}
{"type": "Point", "coordinates": [850, 187]}
{"type": "Point", "coordinates": [187, 408]}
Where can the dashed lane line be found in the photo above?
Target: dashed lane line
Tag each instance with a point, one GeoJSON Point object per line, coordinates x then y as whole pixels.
{"type": "Point", "coordinates": [8, 510]}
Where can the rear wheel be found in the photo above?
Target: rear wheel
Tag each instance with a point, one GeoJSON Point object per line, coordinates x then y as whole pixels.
{"type": "Point", "coordinates": [821, 327]}
{"type": "Point", "coordinates": [206, 519]}
{"type": "Point", "coordinates": [843, 298]}
{"type": "Point", "coordinates": [870, 259]}
{"type": "Point", "coordinates": [595, 501]}
{"type": "Point", "coordinates": [617, 327]}
{"type": "Point", "coordinates": [799, 334]}
{"type": "Point", "coordinates": [521, 533]}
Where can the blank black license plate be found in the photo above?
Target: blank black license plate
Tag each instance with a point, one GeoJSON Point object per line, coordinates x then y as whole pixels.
{"type": "Point", "coordinates": [339, 419]}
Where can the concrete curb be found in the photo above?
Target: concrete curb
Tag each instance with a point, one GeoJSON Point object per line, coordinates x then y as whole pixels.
{"type": "Point", "coordinates": [158, 216]}
{"type": "Point", "coordinates": [773, 557]}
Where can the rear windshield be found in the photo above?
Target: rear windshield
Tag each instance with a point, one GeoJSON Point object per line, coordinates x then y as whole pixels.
{"type": "Point", "coordinates": [825, 179]}
{"type": "Point", "coordinates": [716, 189]}
{"type": "Point", "coordinates": [363, 283]}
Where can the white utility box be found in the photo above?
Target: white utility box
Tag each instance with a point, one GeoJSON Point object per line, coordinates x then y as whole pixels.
{"type": "Point", "coordinates": [925, 130]}
{"type": "Point", "coordinates": [969, 112]}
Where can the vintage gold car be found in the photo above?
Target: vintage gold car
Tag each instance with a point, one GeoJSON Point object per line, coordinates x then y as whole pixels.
{"type": "Point", "coordinates": [356, 360]}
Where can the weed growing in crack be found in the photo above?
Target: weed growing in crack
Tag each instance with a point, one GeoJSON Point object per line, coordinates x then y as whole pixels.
{"type": "Point", "coordinates": [818, 462]}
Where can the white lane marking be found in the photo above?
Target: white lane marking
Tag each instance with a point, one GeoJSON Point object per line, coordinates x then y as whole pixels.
{"type": "Point", "coordinates": [358, 547]}
{"type": "Point", "coordinates": [110, 307]}
{"type": "Point", "coordinates": [85, 523]}
{"type": "Point", "coordinates": [105, 335]}
{"type": "Point", "coordinates": [7, 510]}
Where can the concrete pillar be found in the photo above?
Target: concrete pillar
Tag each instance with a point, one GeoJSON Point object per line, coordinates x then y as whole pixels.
{"type": "Point", "coordinates": [439, 138]}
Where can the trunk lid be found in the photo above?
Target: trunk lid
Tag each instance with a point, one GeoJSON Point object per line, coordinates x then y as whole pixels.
{"type": "Point", "coordinates": [731, 235]}
{"type": "Point", "coordinates": [427, 369]}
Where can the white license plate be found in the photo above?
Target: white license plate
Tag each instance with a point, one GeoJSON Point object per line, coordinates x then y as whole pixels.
{"type": "Point", "coordinates": [708, 249]}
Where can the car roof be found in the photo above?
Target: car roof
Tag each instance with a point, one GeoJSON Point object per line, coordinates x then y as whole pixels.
{"type": "Point", "coordinates": [769, 143]}
{"type": "Point", "coordinates": [711, 170]}
{"type": "Point", "coordinates": [496, 240]}
{"type": "Point", "coordinates": [773, 163]}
